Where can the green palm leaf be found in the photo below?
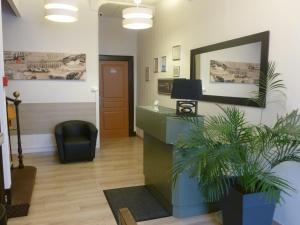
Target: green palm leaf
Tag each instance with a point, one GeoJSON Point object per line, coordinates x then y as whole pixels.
{"type": "Point", "coordinates": [227, 152]}
{"type": "Point", "coordinates": [268, 83]}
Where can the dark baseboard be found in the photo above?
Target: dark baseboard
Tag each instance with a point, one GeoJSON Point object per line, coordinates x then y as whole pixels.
{"type": "Point", "coordinates": [132, 134]}
{"type": "Point", "coordinates": [8, 196]}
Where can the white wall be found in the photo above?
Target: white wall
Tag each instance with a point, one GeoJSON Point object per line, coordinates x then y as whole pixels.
{"type": "Point", "coordinates": [3, 118]}
{"type": "Point", "coordinates": [116, 40]}
{"type": "Point", "coordinates": [32, 32]}
{"type": "Point", "coordinates": [193, 24]}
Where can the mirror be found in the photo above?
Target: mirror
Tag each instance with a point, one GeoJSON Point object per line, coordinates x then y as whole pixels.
{"type": "Point", "coordinates": [231, 71]}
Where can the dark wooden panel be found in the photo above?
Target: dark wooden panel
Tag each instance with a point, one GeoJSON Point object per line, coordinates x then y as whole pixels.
{"type": "Point", "coordinates": [113, 104]}
{"type": "Point", "coordinates": [157, 169]}
{"type": "Point", "coordinates": [131, 108]}
{"type": "Point", "coordinates": [114, 99]}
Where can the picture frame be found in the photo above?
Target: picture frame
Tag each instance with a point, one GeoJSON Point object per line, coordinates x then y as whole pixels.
{"type": "Point", "coordinates": [176, 52]}
{"type": "Point", "coordinates": [22, 65]}
{"type": "Point", "coordinates": [155, 70]}
{"type": "Point", "coordinates": [164, 64]}
{"type": "Point", "coordinates": [147, 73]}
{"type": "Point", "coordinates": [165, 86]}
{"type": "Point", "coordinates": [176, 71]}
{"type": "Point", "coordinates": [236, 93]}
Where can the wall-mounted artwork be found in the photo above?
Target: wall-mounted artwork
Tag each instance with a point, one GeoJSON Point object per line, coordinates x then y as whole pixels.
{"type": "Point", "coordinates": [165, 86]}
{"type": "Point", "coordinates": [155, 65]}
{"type": "Point", "coordinates": [234, 72]}
{"type": "Point", "coordinates": [147, 73]}
{"type": "Point", "coordinates": [176, 52]}
{"type": "Point", "coordinates": [44, 66]}
{"type": "Point", "coordinates": [176, 71]}
{"type": "Point", "coordinates": [164, 64]}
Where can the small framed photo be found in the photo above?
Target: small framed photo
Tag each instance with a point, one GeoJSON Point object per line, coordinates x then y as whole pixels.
{"type": "Point", "coordinates": [155, 65]}
{"type": "Point", "coordinates": [176, 52]}
{"type": "Point", "coordinates": [147, 73]}
{"type": "Point", "coordinates": [176, 71]}
{"type": "Point", "coordinates": [165, 86]}
{"type": "Point", "coordinates": [164, 64]}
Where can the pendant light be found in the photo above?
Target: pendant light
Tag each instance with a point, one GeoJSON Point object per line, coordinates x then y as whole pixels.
{"type": "Point", "coordinates": [137, 18]}
{"type": "Point", "coordinates": [63, 11]}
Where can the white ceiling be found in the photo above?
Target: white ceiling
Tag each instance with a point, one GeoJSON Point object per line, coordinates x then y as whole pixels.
{"type": "Point", "coordinates": [115, 10]}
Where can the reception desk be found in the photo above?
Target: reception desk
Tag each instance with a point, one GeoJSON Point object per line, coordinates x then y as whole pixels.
{"type": "Point", "coordinates": [161, 130]}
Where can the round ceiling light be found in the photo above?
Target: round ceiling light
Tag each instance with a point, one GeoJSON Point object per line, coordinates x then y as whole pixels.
{"type": "Point", "coordinates": [62, 4]}
{"type": "Point", "coordinates": [137, 23]}
{"type": "Point", "coordinates": [64, 11]}
{"type": "Point", "coordinates": [137, 12]}
{"type": "Point", "coordinates": [137, 18]}
{"type": "Point", "coordinates": [61, 15]}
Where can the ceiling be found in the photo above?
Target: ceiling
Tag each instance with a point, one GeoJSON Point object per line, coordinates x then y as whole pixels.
{"type": "Point", "coordinates": [115, 10]}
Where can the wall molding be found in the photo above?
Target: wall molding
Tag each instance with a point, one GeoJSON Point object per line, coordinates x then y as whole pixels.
{"type": "Point", "coordinates": [14, 5]}
{"type": "Point", "coordinates": [35, 149]}
{"type": "Point", "coordinates": [36, 143]}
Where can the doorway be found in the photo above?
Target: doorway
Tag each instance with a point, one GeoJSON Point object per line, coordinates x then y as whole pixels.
{"type": "Point", "coordinates": [116, 98]}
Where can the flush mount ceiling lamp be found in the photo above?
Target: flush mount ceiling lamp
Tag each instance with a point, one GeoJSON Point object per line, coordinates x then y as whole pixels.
{"type": "Point", "coordinates": [137, 18]}
{"type": "Point", "coordinates": [64, 11]}
{"type": "Point", "coordinates": [137, 12]}
{"type": "Point", "coordinates": [137, 23]}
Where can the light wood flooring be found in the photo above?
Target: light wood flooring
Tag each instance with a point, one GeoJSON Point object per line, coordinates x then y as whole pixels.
{"type": "Point", "coordinates": [71, 194]}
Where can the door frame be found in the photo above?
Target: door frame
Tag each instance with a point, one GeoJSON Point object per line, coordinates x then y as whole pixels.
{"type": "Point", "coordinates": [130, 60]}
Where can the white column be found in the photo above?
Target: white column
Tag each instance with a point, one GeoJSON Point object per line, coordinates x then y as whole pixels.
{"type": "Point", "coordinates": [3, 118]}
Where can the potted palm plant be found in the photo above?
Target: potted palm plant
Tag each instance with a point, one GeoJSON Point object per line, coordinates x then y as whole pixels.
{"type": "Point", "coordinates": [233, 161]}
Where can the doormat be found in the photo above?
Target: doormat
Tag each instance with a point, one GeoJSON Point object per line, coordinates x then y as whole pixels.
{"type": "Point", "coordinates": [139, 200]}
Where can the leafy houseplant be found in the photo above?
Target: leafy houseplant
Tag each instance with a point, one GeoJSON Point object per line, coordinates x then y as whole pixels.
{"type": "Point", "coordinates": [234, 160]}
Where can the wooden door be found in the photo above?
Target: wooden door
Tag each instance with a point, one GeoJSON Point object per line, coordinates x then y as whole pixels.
{"type": "Point", "coordinates": [114, 121]}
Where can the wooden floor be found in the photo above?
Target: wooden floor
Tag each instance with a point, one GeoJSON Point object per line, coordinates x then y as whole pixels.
{"type": "Point", "coordinates": [71, 194]}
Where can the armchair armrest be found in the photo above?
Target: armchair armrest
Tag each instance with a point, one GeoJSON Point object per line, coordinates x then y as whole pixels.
{"type": "Point", "coordinates": [59, 140]}
{"type": "Point", "coordinates": [93, 133]}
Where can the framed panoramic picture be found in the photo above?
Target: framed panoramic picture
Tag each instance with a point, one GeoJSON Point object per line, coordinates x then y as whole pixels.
{"type": "Point", "coordinates": [164, 64]}
{"type": "Point", "coordinates": [176, 71]}
{"type": "Point", "coordinates": [155, 70]}
{"type": "Point", "coordinates": [234, 72]}
{"type": "Point", "coordinates": [176, 52]}
{"type": "Point", "coordinates": [44, 66]}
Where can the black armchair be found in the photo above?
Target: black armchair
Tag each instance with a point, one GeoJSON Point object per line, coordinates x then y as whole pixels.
{"type": "Point", "coordinates": [76, 141]}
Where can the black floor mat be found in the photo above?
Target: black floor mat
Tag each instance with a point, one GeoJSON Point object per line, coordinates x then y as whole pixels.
{"type": "Point", "coordinates": [138, 200]}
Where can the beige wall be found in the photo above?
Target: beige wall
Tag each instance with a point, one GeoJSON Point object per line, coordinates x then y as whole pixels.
{"type": "Point", "coordinates": [32, 32]}
{"type": "Point", "coordinates": [194, 23]}
{"type": "Point", "coordinates": [89, 35]}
